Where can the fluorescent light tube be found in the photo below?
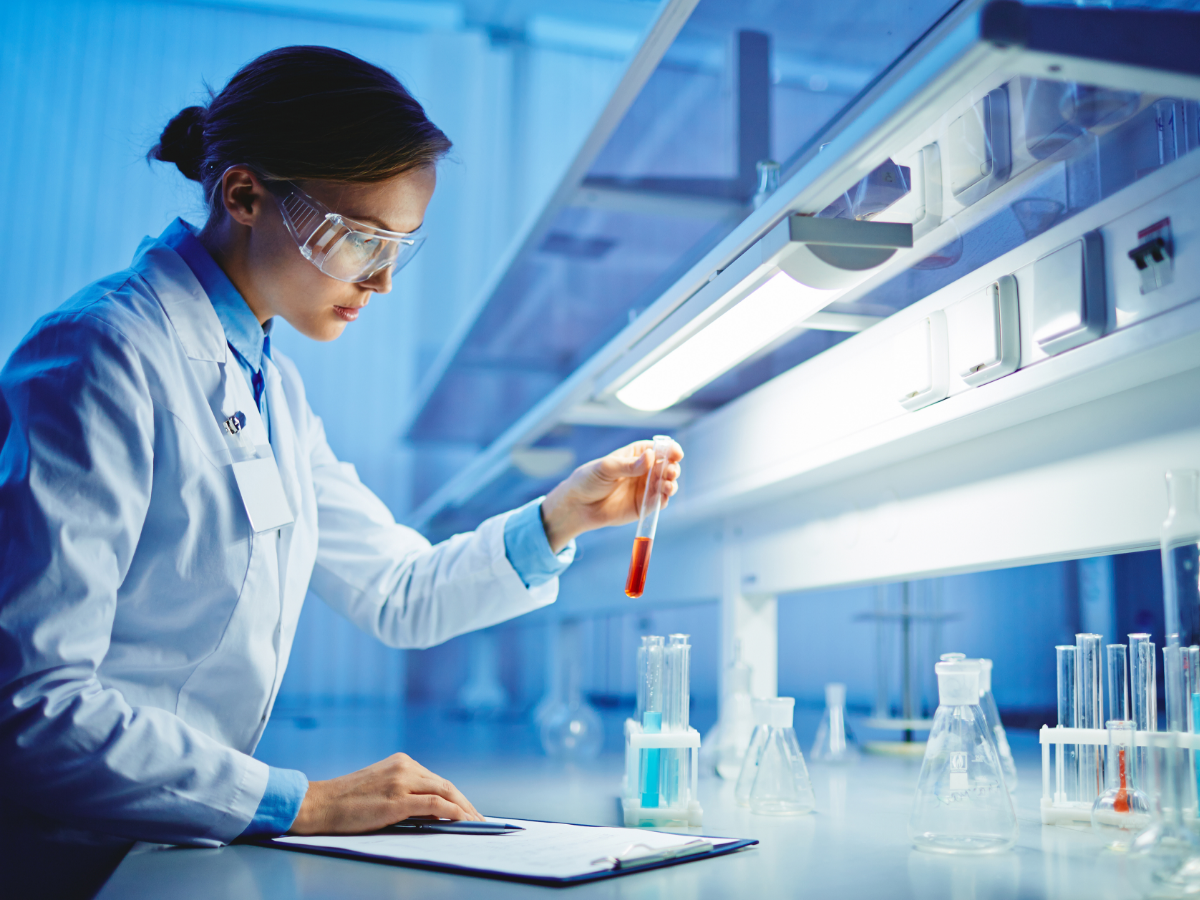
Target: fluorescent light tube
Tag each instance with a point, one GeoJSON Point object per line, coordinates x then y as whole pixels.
{"type": "Point", "coordinates": [771, 310]}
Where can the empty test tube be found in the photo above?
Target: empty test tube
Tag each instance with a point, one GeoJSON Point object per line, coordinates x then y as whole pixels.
{"type": "Point", "coordinates": [1116, 667]}
{"type": "Point", "coordinates": [1175, 683]}
{"type": "Point", "coordinates": [1089, 713]}
{"type": "Point", "coordinates": [1067, 787]}
{"type": "Point", "coordinates": [643, 541]}
{"type": "Point", "coordinates": [1143, 696]}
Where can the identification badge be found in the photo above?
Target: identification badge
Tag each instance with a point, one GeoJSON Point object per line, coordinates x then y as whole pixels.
{"type": "Point", "coordinates": [262, 492]}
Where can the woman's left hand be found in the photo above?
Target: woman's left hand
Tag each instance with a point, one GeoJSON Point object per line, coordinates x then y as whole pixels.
{"type": "Point", "coordinates": [606, 491]}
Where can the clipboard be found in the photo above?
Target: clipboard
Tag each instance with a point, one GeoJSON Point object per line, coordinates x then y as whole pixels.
{"type": "Point", "coordinates": [555, 854]}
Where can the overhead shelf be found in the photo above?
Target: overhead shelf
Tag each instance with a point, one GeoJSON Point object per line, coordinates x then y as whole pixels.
{"type": "Point", "coordinates": [975, 90]}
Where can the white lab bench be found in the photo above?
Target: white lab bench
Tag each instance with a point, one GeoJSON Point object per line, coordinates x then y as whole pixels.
{"type": "Point", "coordinates": [855, 846]}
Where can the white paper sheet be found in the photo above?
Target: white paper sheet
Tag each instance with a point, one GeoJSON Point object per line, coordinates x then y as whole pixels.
{"type": "Point", "coordinates": [542, 850]}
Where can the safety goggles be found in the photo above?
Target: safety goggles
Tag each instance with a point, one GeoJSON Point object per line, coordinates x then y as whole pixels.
{"type": "Point", "coordinates": [343, 248]}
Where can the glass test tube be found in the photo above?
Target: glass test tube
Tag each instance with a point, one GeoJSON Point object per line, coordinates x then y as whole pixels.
{"type": "Point", "coordinates": [1194, 714]}
{"type": "Point", "coordinates": [1143, 695]}
{"type": "Point", "coordinates": [1116, 667]}
{"type": "Point", "coordinates": [641, 680]}
{"type": "Point", "coordinates": [1089, 713]}
{"type": "Point", "coordinates": [676, 700]}
{"type": "Point", "coordinates": [652, 719]}
{"type": "Point", "coordinates": [1067, 787]}
{"type": "Point", "coordinates": [643, 542]}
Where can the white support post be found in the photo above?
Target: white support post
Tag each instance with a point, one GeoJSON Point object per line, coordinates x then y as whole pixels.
{"type": "Point", "coordinates": [750, 619]}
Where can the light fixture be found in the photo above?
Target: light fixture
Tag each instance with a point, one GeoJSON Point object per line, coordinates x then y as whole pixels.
{"type": "Point", "coordinates": [799, 267]}
{"type": "Point", "coordinates": [773, 308]}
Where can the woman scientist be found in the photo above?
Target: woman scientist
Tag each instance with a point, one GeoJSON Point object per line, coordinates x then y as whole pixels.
{"type": "Point", "coordinates": [167, 496]}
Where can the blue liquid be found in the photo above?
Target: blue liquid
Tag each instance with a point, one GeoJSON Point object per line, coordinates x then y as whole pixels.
{"type": "Point", "coordinates": [651, 724]}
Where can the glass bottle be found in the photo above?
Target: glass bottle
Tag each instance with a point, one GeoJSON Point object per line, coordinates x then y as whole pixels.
{"type": "Point", "coordinates": [962, 804]}
{"type": "Point", "coordinates": [835, 741]}
{"type": "Point", "coordinates": [761, 710]}
{"type": "Point", "coordinates": [781, 784]}
{"type": "Point", "coordinates": [1123, 809]}
{"type": "Point", "coordinates": [987, 703]}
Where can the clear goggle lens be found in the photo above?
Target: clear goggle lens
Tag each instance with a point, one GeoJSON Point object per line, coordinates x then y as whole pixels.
{"type": "Point", "coordinates": [343, 248]}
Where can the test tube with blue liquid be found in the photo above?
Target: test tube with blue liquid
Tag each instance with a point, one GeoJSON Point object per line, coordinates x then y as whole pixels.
{"type": "Point", "coordinates": [651, 678]}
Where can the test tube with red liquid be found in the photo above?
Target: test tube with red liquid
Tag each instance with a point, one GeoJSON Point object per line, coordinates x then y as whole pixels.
{"type": "Point", "coordinates": [635, 584]}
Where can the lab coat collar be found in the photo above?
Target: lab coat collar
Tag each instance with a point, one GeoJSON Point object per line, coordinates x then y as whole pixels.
{"type": "Point", "coordinates": [242, 329]}
{"type": "Point", "coordinates": [183, 299]}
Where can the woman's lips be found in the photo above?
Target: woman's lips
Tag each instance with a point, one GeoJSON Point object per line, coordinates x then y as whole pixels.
{"type": "Point", "coordinates": [349, 313]}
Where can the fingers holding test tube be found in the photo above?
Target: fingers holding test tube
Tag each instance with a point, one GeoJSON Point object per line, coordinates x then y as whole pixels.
{"type": "Point", "coordinates": [611, 490]}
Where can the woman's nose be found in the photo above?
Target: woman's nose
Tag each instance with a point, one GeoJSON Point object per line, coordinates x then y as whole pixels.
{"type": "Point", "coordinates": [380, 282]}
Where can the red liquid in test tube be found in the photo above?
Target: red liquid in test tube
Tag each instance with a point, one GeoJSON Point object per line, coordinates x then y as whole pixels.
{"type": "Point", "coordinates": [639, 562]}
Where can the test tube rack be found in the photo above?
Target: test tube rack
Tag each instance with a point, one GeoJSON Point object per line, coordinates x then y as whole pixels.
{"type": "Point", "coordinates": [686, 811]}
{"type": "Point", "coordinates": [1056, 809]}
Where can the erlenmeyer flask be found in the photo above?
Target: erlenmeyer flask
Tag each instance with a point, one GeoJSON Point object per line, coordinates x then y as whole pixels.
{"type": "Point", "coordinates": [1122, 810]}
{"type": "Point", "coordinates": [761, 710]}
{"type": "Point", "coordinates": [835, 742]}
{"type": "Point", "coordinates": [962, 805]}
{"type": "Point", "coordinates": [781, 784]}
{"type": "Point", "coordinates": [988, 704]}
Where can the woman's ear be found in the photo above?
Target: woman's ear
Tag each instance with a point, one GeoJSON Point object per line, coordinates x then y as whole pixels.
{"type": "Point", "coordinates": [242, 195]}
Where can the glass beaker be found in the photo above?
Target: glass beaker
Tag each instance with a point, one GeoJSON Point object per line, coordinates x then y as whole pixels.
{"type": "Point", "coordinates": [781, 784]}
{"type": "Point", "coordinates": [962, 804]}
{"type": "Point", "coordinates": [987, 703]}
{"type": "Point", "coordinates": [1123, 810]}
{"type": "Point", "coordinates": [761, 710]}
{"type": "Point", "coordinates": [835, 741]}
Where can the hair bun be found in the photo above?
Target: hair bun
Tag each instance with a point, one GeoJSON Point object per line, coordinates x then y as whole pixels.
{"type": "Point", "coordinates": [182, 142]}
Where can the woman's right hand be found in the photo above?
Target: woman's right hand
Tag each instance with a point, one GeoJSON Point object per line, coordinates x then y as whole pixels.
{"type": "Point", "coordinates": [379, 795]}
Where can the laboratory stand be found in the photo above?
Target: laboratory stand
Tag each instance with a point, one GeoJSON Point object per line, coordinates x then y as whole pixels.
{"type": "Point", "coordinates": [856, 845]}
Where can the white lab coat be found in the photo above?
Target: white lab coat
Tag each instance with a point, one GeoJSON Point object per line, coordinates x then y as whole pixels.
{"type": "Point", "coordinates": [144, 627]}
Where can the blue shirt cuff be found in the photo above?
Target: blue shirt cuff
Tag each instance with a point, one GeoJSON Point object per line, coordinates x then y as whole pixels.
{"type": "Point", "coordinates": [528, 549]}
{"type": "Point", "coordinates": [280, 803]}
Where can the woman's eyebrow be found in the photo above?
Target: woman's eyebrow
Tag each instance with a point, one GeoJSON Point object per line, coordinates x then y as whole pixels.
{"type": "Point", "coordinates": [372, 220]}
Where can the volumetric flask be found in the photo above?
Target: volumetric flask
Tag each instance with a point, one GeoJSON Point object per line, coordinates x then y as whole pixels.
{"type": "Point", "coordinates": [962, 805]}
{"type": "Point", "coordinates": [987, 703]}
{"type": "Point", "coordinates": [643, 541]}
{"type": "Point", "coordinates": [781, 784]}
{"type": "Point", "coordinates": [835, 742]}
{"type": "Point", "coordinates": [761, 710]}
{"type": "Point", "coordinates": [1122, 811]}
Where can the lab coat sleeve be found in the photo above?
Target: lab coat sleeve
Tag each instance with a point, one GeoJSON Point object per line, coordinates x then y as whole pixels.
{"type": "Point", "coordinates": [391, 583]}
{"type": "Point", "coordinates": [76, 469]}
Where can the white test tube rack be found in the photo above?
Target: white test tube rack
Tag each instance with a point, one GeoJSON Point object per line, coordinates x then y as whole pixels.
{"type": "Point", "coordinates": [686, 812]}
{"type": "Point", "coordinates": [1056, 808]}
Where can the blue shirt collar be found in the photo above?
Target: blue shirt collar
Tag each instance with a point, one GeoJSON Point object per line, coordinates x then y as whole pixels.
{"type": "Point", "coordinates": [248, 339]}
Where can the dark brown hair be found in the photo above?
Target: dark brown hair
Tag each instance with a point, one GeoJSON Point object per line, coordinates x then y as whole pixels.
{"type": "Point", "coordinates": [300, 113]}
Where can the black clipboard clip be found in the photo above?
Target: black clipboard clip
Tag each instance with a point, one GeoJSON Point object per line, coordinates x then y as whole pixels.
{"type": "Point", "coordinates": [629, 858]}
